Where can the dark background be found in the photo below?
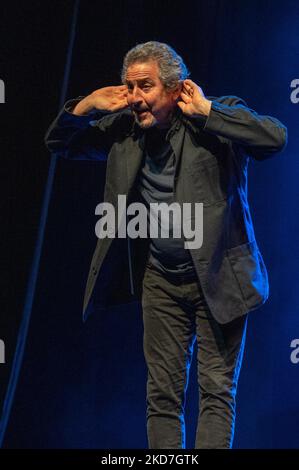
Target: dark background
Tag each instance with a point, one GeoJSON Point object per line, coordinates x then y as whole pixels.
{"type": "Point", "coordinates": [84, 385]}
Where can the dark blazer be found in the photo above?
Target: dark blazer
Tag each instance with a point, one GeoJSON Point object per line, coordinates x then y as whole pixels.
{"type": "Point", "coordinates": [211, 167]}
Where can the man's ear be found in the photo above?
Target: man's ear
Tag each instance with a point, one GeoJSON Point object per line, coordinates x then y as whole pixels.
{"type": "Point", "coordinates": [177, 91]}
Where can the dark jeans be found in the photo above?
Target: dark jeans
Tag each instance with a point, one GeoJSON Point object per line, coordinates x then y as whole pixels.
{"type": "Point", "coordinates": [175, 314]}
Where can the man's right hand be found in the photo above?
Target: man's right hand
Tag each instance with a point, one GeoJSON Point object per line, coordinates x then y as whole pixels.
{"type": "Point", "coordinates": [109, 98]}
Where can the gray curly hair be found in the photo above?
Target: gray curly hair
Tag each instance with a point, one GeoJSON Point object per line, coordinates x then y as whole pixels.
{"type": "Point", "coordinates": [171, 66]}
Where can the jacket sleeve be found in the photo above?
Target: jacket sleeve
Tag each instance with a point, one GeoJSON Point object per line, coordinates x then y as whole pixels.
{"type": "Point", "coordinates": [260, 136]}
{"type": "Point", "coordinates": [79, 137]}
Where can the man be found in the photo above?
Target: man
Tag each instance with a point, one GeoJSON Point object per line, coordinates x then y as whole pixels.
{"type": "Point", "coordinates": [166, 142]}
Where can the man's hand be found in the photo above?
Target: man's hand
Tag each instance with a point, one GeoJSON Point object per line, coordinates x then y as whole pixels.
{"type": "Point", "coordinates": [193, 102]}
{"type": "Point", "coordinates": [109, 98]}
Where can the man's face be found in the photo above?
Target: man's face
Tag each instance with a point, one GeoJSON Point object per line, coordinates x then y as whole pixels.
{"type": "Point", "coordinates": [151, 104]}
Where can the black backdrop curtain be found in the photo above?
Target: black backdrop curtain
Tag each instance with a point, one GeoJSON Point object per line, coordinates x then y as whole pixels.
{"type": "Point", "coordinates": [84, 385]}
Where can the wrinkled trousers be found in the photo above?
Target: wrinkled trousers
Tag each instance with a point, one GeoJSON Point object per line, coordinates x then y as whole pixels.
{"type": "Point", "coordinates": [175, 314]}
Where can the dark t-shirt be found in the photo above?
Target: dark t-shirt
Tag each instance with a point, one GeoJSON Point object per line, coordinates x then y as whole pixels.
{"type": "Point", "coordinates": [156, 183]}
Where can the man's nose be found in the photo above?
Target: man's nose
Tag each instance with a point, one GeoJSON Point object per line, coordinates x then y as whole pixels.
{"type": "Point", "coordinates": [135, 96]}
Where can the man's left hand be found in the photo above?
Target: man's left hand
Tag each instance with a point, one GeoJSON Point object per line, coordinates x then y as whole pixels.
{"type": "Point", "coordinates": [192, 100]}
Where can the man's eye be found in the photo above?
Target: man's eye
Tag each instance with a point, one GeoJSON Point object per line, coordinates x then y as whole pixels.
{"type": "Point", "coordinates": [143, 87]}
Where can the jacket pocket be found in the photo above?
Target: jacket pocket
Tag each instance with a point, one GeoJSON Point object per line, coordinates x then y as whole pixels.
{"type": "Point", "coordinates": [250, 271]}
{"type": "Point", "coordinates": [209, 181]}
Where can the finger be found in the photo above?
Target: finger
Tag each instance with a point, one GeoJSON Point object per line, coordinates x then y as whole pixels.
{"type": "Point", "coordinates": [120, 89]}
{"type": "Point", "coordinates": [189, 94]}
{"type": "Point", "coordinates": [192, 87]}
{"type": "Point", "coordinates": [125, 103]}
{"type": "Point", "coordinates": [189, 82]}
{"type": "Point", "coordinates": [121, 101]}
{"type": "Point", "coordinates": [188, 89]}
{"type": "Point", "coordinates": [196, 88]}
{"type": "Point", "coordinates": [186, 98]}
{"type": "Point", "coordinates": [181, 105]}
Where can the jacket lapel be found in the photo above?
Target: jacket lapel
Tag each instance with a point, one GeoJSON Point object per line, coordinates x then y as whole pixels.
{"type": "Point", "coordinates": [134, 154]}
